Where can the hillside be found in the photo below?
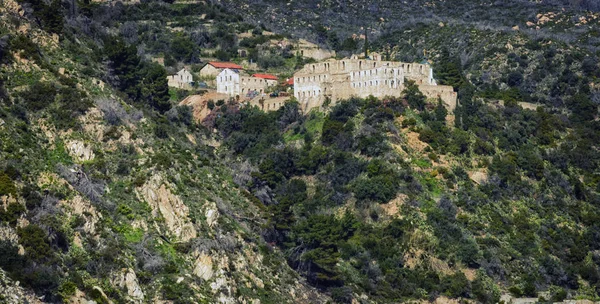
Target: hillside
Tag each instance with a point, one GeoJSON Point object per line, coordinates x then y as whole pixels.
{"type": "Point", "coordinates": [110, 190]}
{"type": "Point", "coordinates": [104, 198]}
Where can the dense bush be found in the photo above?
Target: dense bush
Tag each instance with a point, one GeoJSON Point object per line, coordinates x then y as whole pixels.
{"type": "Point", "coordinates": [49, 14]}
{"type": "Point", "coordinates": [7, 187]}
{"type": "Point", "coordinates": [39, 95]}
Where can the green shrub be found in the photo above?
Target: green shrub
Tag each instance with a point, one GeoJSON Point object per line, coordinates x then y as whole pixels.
{"type": "Point", "coordinates": [28, 48]}
{"type": "Point", "coordinates": [66, 290]}
{"type": "Point", "coordinates": [39, 95]}
{"type": "Point", "coordinates": [126, 211]}
{"type": "Point", "coordinates": [6, 185]}
{"type": "Point", "coordinates": [12, 213]}
{"type": "Point", "coordinates": [34, 240]}
{"type": "Point", "coordinates": [409, 122]}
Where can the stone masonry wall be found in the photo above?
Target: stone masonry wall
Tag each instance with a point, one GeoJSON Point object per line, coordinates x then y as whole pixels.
{"type": "Point", "coordinates": [342, 79]}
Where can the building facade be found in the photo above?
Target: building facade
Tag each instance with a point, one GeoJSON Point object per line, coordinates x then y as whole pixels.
{"type": "Point", "coordinates": [213, 68]}
{"type": "Point", "coordinates": [342, 79]}
{"type": "Point", "coordinates": [182, 80]}
{"type": "Point", "coordinates": [233, 83]}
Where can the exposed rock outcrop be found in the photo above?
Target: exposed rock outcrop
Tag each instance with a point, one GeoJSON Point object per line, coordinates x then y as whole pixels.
{"type": "Point", "coordinates": [12, 293]}
{"type": "Point", "coordinates": [157, 193]}
{"type": "Point", "coordinates": [204, 267]}
{"type": "Point", "coordinates": [80, 151]}
{"type": "Point", "coordinates": [128, 280]}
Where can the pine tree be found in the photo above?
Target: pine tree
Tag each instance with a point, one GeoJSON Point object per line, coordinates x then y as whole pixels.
{"type": "Point", "coordinates": [413, 95]}
{"type": "Point", "coordinates": [440, 111]}
{"type": "Point", "coordinates": [155, 88]}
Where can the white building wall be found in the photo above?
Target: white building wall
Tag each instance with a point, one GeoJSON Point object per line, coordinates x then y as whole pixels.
{"type": "Point", "coordinates": [228, 82]}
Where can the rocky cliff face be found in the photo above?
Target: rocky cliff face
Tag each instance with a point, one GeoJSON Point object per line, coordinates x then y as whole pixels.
{"type": "Point", "coordinates": [98, 208]}
{"type": "Point", "coordinates": [168, 206]}
{"type": "Point", "coordinates": [12, 292]}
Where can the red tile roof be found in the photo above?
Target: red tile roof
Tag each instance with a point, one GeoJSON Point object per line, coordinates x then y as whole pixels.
{"type": "Point", "coordinates": [290, 81]}
{"type": "Point", "coordinates": [265, 76]}
{"type": "Point", "coordinates": [225, 65]}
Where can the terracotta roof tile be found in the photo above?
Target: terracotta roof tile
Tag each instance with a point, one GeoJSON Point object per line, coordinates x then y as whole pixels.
{"type": "Point", "coordinates": [265, 76]}
{"type": "Point", "coordinates": [225, 65]}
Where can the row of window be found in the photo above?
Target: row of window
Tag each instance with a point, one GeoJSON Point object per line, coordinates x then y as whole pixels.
{"type": "Point", "coordinates": [188, 78]}
{"type": "Point", "coordinates": [360, 66]}
{"type": "Point", "coordinates": [274, 106]}
{"type": "Point", "coordinates": [224, 78]}
{"type": "Point", "coordinates": [370, 73]}
{"type": "Point", "coordinates": [354, 74]}
{"type": "Point", "coordinates": [371, 83]}
{"type": "Point", "coordinates": [309, 93]}
{"type": "Point", "coordinates": [311, 78]}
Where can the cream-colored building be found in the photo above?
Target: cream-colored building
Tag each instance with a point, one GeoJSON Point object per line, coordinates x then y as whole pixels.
{"type": "Point", "coordinates": [342, 79]}
{"type": "Point", "coordinates": [213, 68]}
{"type": "Point", "coordinates": [233, 83]}
{"type": "Point", "coordinates": [182, 80]}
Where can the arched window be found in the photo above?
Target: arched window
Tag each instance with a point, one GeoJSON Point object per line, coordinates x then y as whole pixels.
{"type": "Point", "coordinates": [344, 65]}
{"type": "Point", "coordinates": [360, 64]}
